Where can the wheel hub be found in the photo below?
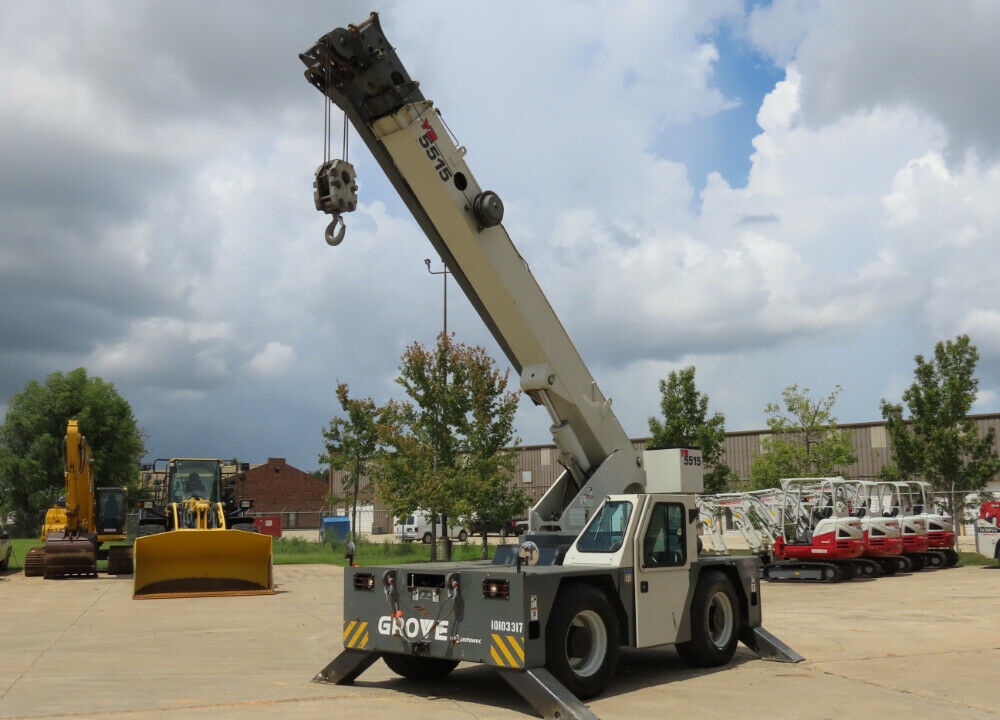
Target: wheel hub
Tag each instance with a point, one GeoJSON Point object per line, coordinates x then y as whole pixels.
{"type": "Point", "coordinates": [586, 643]}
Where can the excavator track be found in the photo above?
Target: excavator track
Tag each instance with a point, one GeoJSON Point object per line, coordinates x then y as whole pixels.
{"type": "Point", "coordinates": [865, 568]}
{"type": "Point", "coordinates": [887, 564]}
{"type": "Point", "coordinates": [34, 562]}
{"type": "Point", "coordinates": [799, 571]}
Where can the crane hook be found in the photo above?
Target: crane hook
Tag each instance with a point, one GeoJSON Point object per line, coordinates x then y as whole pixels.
{"type": "Point", "coordinates": [333, 236]}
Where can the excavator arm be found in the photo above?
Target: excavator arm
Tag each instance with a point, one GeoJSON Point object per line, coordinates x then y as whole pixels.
{"type": "Point", "coordinates": [358, 70]}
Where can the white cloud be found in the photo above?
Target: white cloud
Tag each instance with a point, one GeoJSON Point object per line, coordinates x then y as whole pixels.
{"type": "Point", "coordinates": [986, 400]}
{"type": "Point", "coordinates": [168, 352]}
{"type": "Point", "coordinates": [274, 359]}
{"type": "Point", "coordinates": [164, 235]}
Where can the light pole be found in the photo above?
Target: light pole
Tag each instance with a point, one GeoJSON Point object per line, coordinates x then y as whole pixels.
{"type": "Point", "coordinates": [444, 276]}
{"type": "Point", "coordinates": [443, 272]}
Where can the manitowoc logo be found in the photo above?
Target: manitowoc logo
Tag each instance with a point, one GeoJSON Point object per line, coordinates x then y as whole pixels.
{"type": "Point", "coordinates": [413, 628]}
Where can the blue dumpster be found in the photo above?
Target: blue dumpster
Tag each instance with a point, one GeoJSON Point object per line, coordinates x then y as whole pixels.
{"type": "Point", "coordinates": [337, 527]}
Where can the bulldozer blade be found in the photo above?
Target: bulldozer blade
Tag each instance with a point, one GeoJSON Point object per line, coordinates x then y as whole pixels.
{"type": "Point", "coordinates": [69, 556]}
{"type": "Point", "coordinates": [195, 563]}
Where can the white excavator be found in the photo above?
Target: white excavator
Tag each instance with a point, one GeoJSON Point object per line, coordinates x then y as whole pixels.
{"type": "Point", "coordinates": [610, 558]}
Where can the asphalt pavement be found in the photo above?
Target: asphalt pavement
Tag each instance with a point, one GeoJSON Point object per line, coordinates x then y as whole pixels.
{"type": "Point", "coordinates": [925, 645]}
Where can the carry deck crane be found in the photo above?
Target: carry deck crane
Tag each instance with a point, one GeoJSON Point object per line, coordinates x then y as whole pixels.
{"type": "Point", "coordinates": [611, 557]}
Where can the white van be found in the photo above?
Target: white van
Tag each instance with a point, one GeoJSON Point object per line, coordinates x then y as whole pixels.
{"type": "Point", "coordinates": [418, 527]}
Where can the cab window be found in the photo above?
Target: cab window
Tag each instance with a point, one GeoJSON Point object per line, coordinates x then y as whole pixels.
{"type": "Point", "coordinates": [664, 544]}
{"type": "Point", "coordinates": [606, 530]}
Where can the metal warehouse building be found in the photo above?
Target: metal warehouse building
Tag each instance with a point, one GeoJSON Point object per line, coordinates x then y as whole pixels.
{"type": "Point", "coordinates": [538, 466]}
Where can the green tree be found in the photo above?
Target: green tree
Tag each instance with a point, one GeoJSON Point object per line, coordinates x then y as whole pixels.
{"type": "Point", "coordinates": [939, 442]}
{"type": "Point", "coordinates": [31, 464]}
{"type": "Point", "coordinates": [804, 440]}
{"type": "Point", "coordinates": [351, 443]}
{"type": "Point", "coordinates": [686, 424]}
{"type": "Point", "coordinates": [447, 445]}
{"type": "Point", "coordinates": [489, 448]}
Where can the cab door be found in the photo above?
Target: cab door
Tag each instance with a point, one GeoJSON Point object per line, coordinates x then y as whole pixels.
{"type": "Point", "coordinates": [662, 572]}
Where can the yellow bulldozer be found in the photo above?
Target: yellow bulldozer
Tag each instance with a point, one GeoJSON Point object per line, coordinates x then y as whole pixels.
{"type": "Point", "coordinates": [196, 538]}
{"type": "Point", "coordinates": [81, 522]}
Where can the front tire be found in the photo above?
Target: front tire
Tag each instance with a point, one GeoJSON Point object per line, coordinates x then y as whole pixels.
{"type": "Point", "coordinates": [715, 622]}
{"type": "Point", "coordinates": [420, 669]}
{"type": "Point", "coordinates": [581, 642]}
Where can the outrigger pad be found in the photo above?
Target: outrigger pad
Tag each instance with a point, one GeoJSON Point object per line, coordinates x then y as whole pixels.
{"type": "Point", "coordinates": [345, 668]}
{"type": "Point", "coordinates": [767, 646]}
{"type": "Point", "coordinates": [546, 694]}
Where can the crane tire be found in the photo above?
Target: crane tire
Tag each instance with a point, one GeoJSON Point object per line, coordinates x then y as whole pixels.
{"type": "Point", "coordinates": [421, 669]}
{"type": "Point", "coordinates": [715, 622]}
{"type": "Point", "coordinates": [581, 640]}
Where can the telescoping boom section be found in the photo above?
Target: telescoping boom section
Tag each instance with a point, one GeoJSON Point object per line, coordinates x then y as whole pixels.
{"type": "Point", "coordinates": [359, 71]}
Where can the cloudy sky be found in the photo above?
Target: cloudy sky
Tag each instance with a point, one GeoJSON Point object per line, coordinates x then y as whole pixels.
{"type": "Point", "coordinates": [776, 193]}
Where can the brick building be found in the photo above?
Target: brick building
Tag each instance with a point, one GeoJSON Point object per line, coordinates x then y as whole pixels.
{"type": "Point", "coordinates": [277, 487]}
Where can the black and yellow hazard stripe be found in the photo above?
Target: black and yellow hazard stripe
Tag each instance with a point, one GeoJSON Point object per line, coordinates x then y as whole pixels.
{"type": "Point", "coordinates": [507, 651]}
{"type": "Point", "coordinates": [355, 634]}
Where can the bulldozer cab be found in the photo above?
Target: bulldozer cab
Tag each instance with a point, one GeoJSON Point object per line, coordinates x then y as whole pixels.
{"type": "Point", "coordinates": [187, 478]}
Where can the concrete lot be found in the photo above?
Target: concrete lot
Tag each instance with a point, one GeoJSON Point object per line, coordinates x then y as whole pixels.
{"type": "Point", "coordinates": [920, 646]}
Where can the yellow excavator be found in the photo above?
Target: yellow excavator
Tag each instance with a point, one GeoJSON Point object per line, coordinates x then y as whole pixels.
{"type": "Point", "coordinates": [197, 539]}
{"type": "Point", "coordinates": [79, 524]}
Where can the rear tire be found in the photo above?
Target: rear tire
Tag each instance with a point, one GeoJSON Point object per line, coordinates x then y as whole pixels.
{"type": "Point", "coordinates": [119, 560]}
{"type": "Point", "coordinates": [426, 539]}
{"type": "Point", "coordinates": [462, 536]}
{"type": "Point", "coordinates": [420, 669]}
{"type": "Point", "coordinates": [581, 640]}
{"type": "Point", "coordinates": [715, 622]}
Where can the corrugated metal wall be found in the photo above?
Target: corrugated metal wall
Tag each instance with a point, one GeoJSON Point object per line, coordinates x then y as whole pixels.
{"type": "Point", "coordinates": [870, 440]}
{"type": "Point", "coordinates": [538, 465]}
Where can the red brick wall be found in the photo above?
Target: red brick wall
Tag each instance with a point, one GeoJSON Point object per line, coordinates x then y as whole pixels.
{"type": "Point", "coordinates": [278, 487]}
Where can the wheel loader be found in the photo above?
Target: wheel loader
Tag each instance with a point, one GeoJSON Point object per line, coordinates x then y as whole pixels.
{"type": "Point", "coordinates": [197, 539]}
{"type": "Point", "coordinates": [82, 521]}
